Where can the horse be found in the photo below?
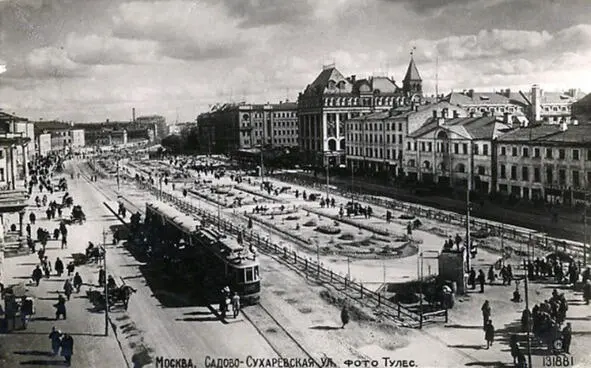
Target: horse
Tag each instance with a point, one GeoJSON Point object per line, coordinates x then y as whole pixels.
{"type": "Point", "coordinates": [122, 294]}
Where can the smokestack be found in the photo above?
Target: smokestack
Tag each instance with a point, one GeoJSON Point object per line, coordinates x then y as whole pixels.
{"type": "Point", "coordinates": [536, 96]}
{"type": "Point", "coordinates": [133, 115]}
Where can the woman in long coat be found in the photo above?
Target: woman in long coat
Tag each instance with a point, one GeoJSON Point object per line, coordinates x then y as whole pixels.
{"type": "Point", "coordinates": [67, 348]}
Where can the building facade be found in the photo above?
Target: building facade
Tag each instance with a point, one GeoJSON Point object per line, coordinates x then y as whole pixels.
{"type": "Point", "coordinates": [43, 144]}
{"type": "Point", "coordinates": [77, 138]}
{"type": "Point", "coordinates": [546, 162]}
{"type": "Point", "coordinates": [450, 151]}
{"type": "Point", "coordinates": [331, 99]}
{"type": "Point", "coordinates": [376, 141]}
{"type": "Point", "coordinates": [158, 122]}
{"type": "Point", "coordinates": [231, 127]}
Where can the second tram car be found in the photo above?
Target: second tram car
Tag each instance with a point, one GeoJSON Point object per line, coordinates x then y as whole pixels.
{"type": "Point", "coordinates": [201, 254]}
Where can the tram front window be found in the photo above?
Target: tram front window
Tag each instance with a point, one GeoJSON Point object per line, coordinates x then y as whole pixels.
{"type": "Point", "coordinates": [249, 275]}
{"type": "Point", "coordinates": [240, 276]}
{"type": "Point", "coordinates": [256, 272]}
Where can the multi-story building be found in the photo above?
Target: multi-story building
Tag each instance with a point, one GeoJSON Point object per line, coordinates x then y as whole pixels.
{"type": "Point", "coordinates": [376, 141]}
{"type": "Point", "coordinates": [450, 150]}
{"type": "Point", "coordinates": [77, 138]}
{"type": "Point", "coordinates": [331, 99]}
{"type": "Point", "coordinates": [549, 162]}
{"type": "Point", "coordinates": [157, 121]}
{"type": "Point", "coordinates": [43, 144]}
{"type": "Point", "coordinates": [231, 127]}
{"type": "Point", "coordinates": [535, 106]}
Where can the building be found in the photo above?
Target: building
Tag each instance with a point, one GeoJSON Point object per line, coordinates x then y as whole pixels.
{"type": "Point", "coordinates": [535, 105]}
{"type": "Point", "coordinates": [232, 127]}
{"type": "Point", "coordinates": [19, 127]}
{"type": "Point", "coordinates": [582, 110]}
{"type": "Point", "coordinates": [157, 122]}
{"type": "Point", "coordinates": [375, 142]}
{"type": "Point", "coordinates": [43, 144]}
{"type": "Point", "coordinates": [546, 162]}
{"type": "Point", "coordinates": [449, 150]}
{"type": "Point", "coordinates": [77, 138]}
{"type": "Point", "coordinates": [331, 99]}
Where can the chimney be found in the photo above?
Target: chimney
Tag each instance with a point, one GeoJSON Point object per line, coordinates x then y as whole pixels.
{"type": "Point", "coordinates": [133, 114]}
{"type": "Point", "coordinates": [456, 114]}
{"type": "Point", "coordinates": [536, 96]}
{"type": "Point", "coordinates": [563, 126]}
{"type": "Point", "coordinates": [440, 121]}
{"type": "Point", "coordinates": [472, 114]}
{"type": "Point", "coordinates": [352, 78]}
{"type": "Point", "coordinates": [507, 118]}
{"type": "Point", "coordinates": [434, 113]}
{"type": "Point", "coordinates": [416, 107]}
{"type": "Point", "coordinates": [471, 92]}
{"type": "Point", "coordinates": [508, 93]}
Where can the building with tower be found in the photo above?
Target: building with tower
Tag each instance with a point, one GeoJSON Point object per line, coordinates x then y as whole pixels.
{"type": "Point", "coordinates": [332, 99]}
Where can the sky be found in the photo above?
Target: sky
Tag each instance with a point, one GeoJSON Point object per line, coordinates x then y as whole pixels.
{"type": "Point", "coordinates": [92, 60]}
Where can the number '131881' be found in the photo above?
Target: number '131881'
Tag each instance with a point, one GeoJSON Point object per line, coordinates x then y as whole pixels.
{"type": "Point", "coordinates": [558, 361]}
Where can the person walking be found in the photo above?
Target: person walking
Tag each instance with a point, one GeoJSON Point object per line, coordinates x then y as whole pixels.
{"type": "Point", "coordinates": [236, 304]}
{"type": "Point", "coordinates": [489, 333]}
{"type": "Point", "coordinates": [486, 311]}
{"type": "Point", "coordinates": [67, 348]}
{"type": "Point", "coordinates": [37, 275]}
{"type": "Point", "coordinates": [60, 307]}
{"type": "Point", "coordinates": [32, 218]}
{"type": "Point", "coordinates": [28, 229]}
{"type": "Point", "coordinates": [56, 339]}
{"type": "Point", "coordinates": [567, 334]}
{"type": "Point", "coordinates": [26, 310]}
{"type": "Point", "coordinates": [68, 288]}
{"type": "Point", "coordinates": [77, 282]}
{"type": "Point", "coordinates": [472, 279]}
{"type": "Point", "coordinates": [70, 267]}
{"type": "Point", "coordinates": [481, 280]}
{"type": "Point", "coordinates": [514, 345]}
{"type": "Point", "coordinates": [102, 277]}
{"type": "Point", "coordinates": [344, 316]}
{"type": "Point", "coordinates": [59, 266]}
{"type": "Point", "coordinates": [491, 275]}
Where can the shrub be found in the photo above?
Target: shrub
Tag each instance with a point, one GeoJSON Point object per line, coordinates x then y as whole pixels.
{"type": "Point", "coordinates": [347, 236]}
{"type": "Point", "coordinates": [406, 217]}
{"type": "Point", "coordinates": [327, 229]}
{"type": "Point", "coordinates": [310, 223]}
{"type": "Point", "coordinates": [292, 218]}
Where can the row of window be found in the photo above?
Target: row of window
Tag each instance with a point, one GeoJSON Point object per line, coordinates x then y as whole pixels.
{"type": "Point", "coordinates": [374, 126]}
{"type": "Point", "coordinates": [373, 138]}
{"type": "Point", "coordinates": [285, 114]}
{"type": "Point", "coordinates": [391, 154]}
{"type": "Point", "coordinates": [550, 153]}
{"type": "Point", "coordinates": [524, 175]}
{"type": "Point", "coordinates": [458, 148]}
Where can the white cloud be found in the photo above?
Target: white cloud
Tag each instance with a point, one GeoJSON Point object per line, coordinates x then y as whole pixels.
{"type": "Point", "coordinates": [106, 50]}
{"type": "Point", "coordinates": [46, 63]}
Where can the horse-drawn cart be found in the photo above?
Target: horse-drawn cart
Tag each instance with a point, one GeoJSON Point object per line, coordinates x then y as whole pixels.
{"type": "Point", "coordinates": [118, 295]}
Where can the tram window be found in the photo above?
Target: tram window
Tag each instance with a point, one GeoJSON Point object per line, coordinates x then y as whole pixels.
{"type": "Point", "coordinates": [240, 276]}
{"type": "Point", "coordinates": [256, 272]}
{"type": "Point", "coordinates": [249, 275]}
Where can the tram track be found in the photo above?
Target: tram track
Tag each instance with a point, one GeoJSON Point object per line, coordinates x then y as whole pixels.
{"type": "Point", "coordinates": [277, 336]}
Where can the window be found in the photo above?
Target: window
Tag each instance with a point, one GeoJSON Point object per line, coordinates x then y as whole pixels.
{"type": "Point", "coordinates": [399, 127]}
{"type": "Point", "coordinates": [408, 146]}
{"type": "Point", "coordinates": [423, 146]}
{"type": "Point", "coordinates": [249, 274]}
{"type": "Point", "coordinates": [524, 173]}
{"type": "Point", "coordinates": [456, 148]}
{"type": "Point", "coordinates": [485, 149]}
{"type": "Point", "coordinates": [503, 151]}
{"type": "Point", "coordinates": [562, 177]}
{"type": "Point", "coordinates": [400, 138]}
{"type": "Point", "coordinates": [589, 155]}
{"type": "Point", "coordinates": [1, 174]}
{"type": "Point", "coordinates": [476, 149]}
{"type": "Point", "coordinates": [549, 175]}
{"type": "Point", "coordinates": [415, 146]}
{"type": "Point", "coordinates": [514, 151]}
{"type": "Point", "coordinates": [513, 172]}
{"type": "Point", "coordinates": [525, 152]}
{"type": "Point", "coordinates": [481, 170]}
{"type": "Point", "coordinates": [536, 152]}
{"type": "Point", "coordinates": [548, 152]}
{"type": "Point", "coordinates": [576, 154]}
{"type": "Point", "coordinates": [429, 147]}
{"type": "Point", "coordinates": [503, 172]}
{"type": "Point", "coordinates": [576, 181]}
{"type": "Point", "coordinates": [536, 174]}
{"type": "Point", "coordinates": [561, 154]}
{"type": "Point", "coordinates": [465, 148]}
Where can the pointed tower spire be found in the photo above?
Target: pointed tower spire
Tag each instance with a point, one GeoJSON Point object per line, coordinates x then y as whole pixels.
{"type": "Point", "coordinates": [412, 82]}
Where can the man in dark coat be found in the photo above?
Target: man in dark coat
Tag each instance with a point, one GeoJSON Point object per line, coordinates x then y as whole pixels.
{"type": "Point", "coordinates": [489, 333]}
{"type": "Point", "coordinates": [60, 307]}
{"type": "Point", "coordinates": [67, 348]}
{"type": "Point", "coordinates": [37, 275]}
{"type": "Point", "coordinates": [481, 280]}
{"type": "Point", "coordinates": [486, 311]}
{"type": "Point", "coordinates": [566, 337]}
{"type": "Point", "coordinates": [472, 279]}
{"type": "Point", "coordinates": [59, 266]}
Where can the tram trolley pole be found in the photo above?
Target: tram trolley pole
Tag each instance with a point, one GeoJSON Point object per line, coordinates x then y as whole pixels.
{"type": "Point", "coordinates": [105, 232]}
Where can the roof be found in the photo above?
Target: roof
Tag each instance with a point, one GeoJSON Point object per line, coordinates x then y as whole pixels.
{"type": "Point", "coordinates": [477, 98]}
{"type": "Point", "coordinates": [550, 133]}
{"type": "Point", "coordinates": [285, 106]}
{"type": "Point", "coordinates": [383, 84]}
{"type": "Point", "coordinates": [412, 73]}
{"type": "Point", "coordinates": [482, 127]}
{"type": "Point", "coordinates": [325, 76]}
{"type": "Point", "coordinates": [7, 116]}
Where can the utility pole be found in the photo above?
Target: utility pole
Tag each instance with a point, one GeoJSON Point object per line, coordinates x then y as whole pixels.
{"type": "Point", "coordinates": [105, 232]}
{"type": "Point", "coordinates": [327, 173]}
{"type": "Point", "coordinates": [527, 307]}
{"type": "Point", "coordinates": [262, 170]}
{"type": "Point", "coordinates": [118, 185]}
{"type": "Point", "coordinates": [352, 187]}
{"type": "Point", "coordinates": [469, 185]}
{"type": "Point", "coordinates": [502, 244]}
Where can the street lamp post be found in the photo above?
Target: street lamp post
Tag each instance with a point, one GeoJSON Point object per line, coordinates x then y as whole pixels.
{"type": "Point", "coordinates": [585, 231]}
{"type": "Point", "coordinates": [327, 175]}
{"type": "Point", "coordinates": [527, 307]}
{"type": "Point", "coordinates": [106, 278]}
{"type": "Point", "coordinates": [469, 185]}
{"type": "Point", "coordinates": [262, 171]}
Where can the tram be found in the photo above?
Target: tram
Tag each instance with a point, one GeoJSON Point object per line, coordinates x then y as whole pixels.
{"type": "Point", "coordinates": [200, 254]}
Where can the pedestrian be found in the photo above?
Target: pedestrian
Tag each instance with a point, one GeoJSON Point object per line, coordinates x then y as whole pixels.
{"type": "Point", "coordinates": [28, 229]}
{"type": "Point", "coordinates": [68, 288]}
{"type": "Point", "coordinates": [481, 280]}
{"type": "Point", "coordinates": [70, 267]}
{"type": "Point", "coordinates": [64, 241]}
{"type": "Point", "coordinates": [102, 277]}
{"type": "Point", "coordinates": [26, 310]}
{"type": "Point", "coordinates": [223, 306]}
{"type": "Point", "coordinates": [514, 348]}
{"type": "Point", "coordinates": [489, 333]}
{"type": "Point", "coordinates": [491, 275]}
{"type": "Point", "coordinates": [344, 316]}
{"type": "Point", "coordinates": [77, 282]}
{"type": "Point", "coordinates": [59, 266]}
{"type": "Point", "coordinates": [521, 363]}
{"type": "Point", "coordinates": [56, 233]}
{"type": "Point", "coordinates": [236, 304]}
{"type": "Point", "coordinates": [60, 307]}
{"type": "Point", "coordinates": [32, 218]}
{"type": "Point", "coordinates": [56, 339]}
{"type": "Point", "coordinates": [587, 291]}
{"type": "Point", "coordinates": [472, 279]}
{"type": "Point", "coordinates": [486, 311]}
{"type": "Point", "coordinates": [567, 333]}
{"type": "Point", "coordinates": [509, 274]}
{"type": "Point", "coordinates": [37, 275]}
{"type": "Point", "coordinates": [67, 348]}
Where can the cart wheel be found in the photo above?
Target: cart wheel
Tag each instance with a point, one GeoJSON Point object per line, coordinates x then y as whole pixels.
{"type": "Point", "coordinates": [557, 344]}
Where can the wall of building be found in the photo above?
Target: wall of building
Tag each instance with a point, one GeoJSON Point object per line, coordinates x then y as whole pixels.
{"type": "Point", "coordinates": [44, 144]}
{"type": "Point", "coordinates": [77, 136]}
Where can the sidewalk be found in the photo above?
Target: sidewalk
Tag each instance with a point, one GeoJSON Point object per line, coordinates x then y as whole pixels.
{"type": "Point", "coordinates": [32, 346]}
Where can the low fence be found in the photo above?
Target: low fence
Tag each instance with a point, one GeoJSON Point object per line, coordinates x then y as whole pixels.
{"type": "Point", "coordinates": [350, 288]}
{"type": "Point", "coordinates": [541, 241]}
